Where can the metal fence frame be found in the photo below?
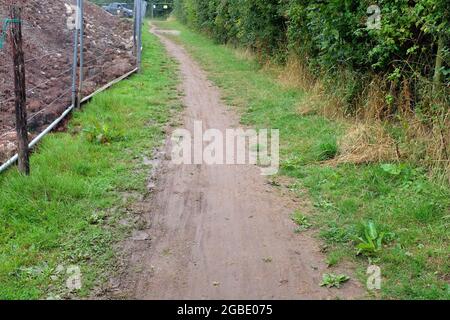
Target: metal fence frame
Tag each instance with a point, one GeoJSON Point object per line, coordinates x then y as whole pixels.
{"type": "Point", "coordinates": [140, 7]}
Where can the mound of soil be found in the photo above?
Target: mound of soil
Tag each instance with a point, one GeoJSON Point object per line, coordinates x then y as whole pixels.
{"type": "Point", "coordinates": [48, 47]}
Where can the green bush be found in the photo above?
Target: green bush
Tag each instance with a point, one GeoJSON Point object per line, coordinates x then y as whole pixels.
{"type": "Point", "coordinates": [333, 36]}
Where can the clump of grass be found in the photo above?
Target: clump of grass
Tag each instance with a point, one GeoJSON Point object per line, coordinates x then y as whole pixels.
{"type": "Point", "coordinates": [334, 257]}
{"type": "Point", "coordinates": [366, 144]}
{"type": "Point", "coordinates": [301, 221]}
{"type": "Point", "coordinates": [333, 234]}
{"type": "Point", "coordinates": [102, 133]}
{"type": "Point", "coordinates": [295, 74]}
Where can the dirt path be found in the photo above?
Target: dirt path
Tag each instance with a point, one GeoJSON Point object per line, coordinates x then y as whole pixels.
{"type": "Point", "coordinates": [220, 232]}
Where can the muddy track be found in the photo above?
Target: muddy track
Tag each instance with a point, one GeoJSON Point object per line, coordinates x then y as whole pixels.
{"type": "Point", "coordinates": [220, 232]}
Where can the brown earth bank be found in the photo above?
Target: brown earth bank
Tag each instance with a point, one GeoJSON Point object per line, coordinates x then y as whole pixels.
{"type": "Point", "coordinates": [48, 47]}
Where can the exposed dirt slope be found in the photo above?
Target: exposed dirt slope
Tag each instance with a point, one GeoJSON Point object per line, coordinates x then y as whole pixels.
{"type": "Point", "coordinates": [48, 44]}
{"type": "Point", "coordinates": [219, 232]}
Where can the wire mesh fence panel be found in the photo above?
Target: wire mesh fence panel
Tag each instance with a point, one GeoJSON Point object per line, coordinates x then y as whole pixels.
{"type": "Point", "coordinates": [48, 42]}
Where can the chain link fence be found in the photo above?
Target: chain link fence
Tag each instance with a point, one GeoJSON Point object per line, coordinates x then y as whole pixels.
{"type": "Point", "coordinates": [52, 72]}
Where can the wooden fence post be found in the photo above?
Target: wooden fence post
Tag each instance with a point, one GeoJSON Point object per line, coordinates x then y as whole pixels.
{"type": "Point", "coordinates": [20, 93]}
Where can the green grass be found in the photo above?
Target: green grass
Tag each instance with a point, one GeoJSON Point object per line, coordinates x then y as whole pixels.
{"type": "Point", "coordinates": [68, 211]}
{"type": "Point", "coordinates": [411, 209]}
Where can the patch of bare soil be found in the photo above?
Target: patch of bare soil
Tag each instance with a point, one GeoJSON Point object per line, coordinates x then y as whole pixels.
{"type": "Point", "coordinates": [48, 47]}
{"type": "Point", "coordinates": [218, 232]}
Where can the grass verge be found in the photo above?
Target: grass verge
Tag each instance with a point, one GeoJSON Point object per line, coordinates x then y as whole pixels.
{"type": "Point", "coordinates": [394, 204]}
{"type": "Point", "coordinates": [70, 211]}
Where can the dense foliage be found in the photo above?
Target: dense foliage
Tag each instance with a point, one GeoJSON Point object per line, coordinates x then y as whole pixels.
{"type": "Point", "coordinates": [334, 35]}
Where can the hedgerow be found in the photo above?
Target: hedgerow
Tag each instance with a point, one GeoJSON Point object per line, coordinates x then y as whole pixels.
{"type": "Point", "coordinates": [405, 58]}
{"type": "Point", "coordinates": [333, 32]}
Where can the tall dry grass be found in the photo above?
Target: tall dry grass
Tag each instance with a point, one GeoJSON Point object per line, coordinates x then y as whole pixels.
{"type": "Point", "coordinates": [381, 107]}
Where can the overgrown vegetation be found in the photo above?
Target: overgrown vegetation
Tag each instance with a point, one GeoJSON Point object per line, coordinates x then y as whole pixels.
{"type": "Point", "coordinates": [396, 72]}
{"type": "Point", "coordinates": [73, 208]}
{"type": "Point", "coordinates": [392, 201]}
